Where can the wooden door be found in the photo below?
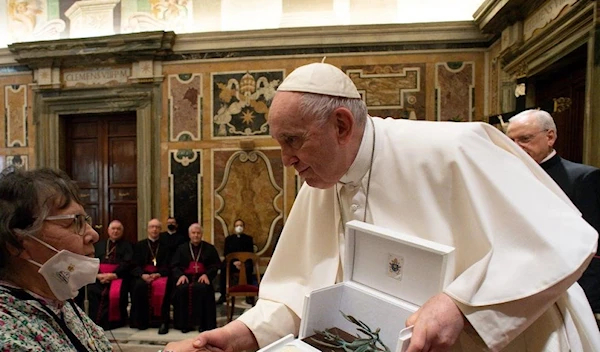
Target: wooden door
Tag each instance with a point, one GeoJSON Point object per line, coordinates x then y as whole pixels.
{"type": "Point", "coordinates": [561, 90]}
{"type": "Point", "coordinates": [101, 157]}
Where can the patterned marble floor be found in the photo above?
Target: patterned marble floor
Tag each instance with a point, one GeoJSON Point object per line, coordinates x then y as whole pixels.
{"type": "Point", "coordinates": [127, 339]}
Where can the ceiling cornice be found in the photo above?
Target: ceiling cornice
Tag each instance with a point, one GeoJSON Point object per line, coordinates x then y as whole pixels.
{"type": "Point", "coordinates": [495, 15]}
{"type": "Point", "coordinates": [114, 49]}
{"type": "Point", "coordinates": [331, 37]}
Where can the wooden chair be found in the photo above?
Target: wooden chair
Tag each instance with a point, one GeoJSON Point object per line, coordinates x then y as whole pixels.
{"type": "Point", "coordinates": [242, 287]}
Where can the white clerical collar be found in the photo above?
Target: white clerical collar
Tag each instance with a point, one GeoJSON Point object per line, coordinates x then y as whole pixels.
{"type": "Point", "coordinates": [553, 153]}
{"type": "Point", "coordinates": [362, 162]}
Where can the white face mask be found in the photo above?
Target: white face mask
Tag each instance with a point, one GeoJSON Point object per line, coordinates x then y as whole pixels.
{"type": "Point", "coordinates": [66, 272]}
{"type": "Point", "coordinates": [239, 229]}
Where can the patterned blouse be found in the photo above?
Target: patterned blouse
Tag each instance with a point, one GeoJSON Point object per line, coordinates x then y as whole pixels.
{"type": "Point", "coordinates": [25, 325]}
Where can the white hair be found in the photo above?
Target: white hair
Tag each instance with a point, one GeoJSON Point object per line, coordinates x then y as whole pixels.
{"type": "Point", "coordinates": [195, 224]}
{"type": "Point", "coordinates": [321, 107]}
{"type": "Point", "coordinates": [543, 118]}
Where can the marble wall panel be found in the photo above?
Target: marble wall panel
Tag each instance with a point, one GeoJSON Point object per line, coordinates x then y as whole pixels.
{"type": "Point", "coordinates": [396, 90]}
{"type": "Point", "coordinates": [185, 107]}
{"type": "Point", "coordinates": [249, 185]}
{"type": "Point", "coordinates": [185, 186]}
{"type": "Point", "coordinates": [240, 102]}
{"type": "Point", "coordinates": [454, 89]}
{"type": "Point", "coordinates": [15, 102]}
{"type": "Point", "coordinates": [18, 161]}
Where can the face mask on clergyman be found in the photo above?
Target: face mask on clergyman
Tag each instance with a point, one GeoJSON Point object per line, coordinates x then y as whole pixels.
{"type": "Point", "coordinates": [171, 227]}
{"type": "Point", "coordinates": [239, 229]}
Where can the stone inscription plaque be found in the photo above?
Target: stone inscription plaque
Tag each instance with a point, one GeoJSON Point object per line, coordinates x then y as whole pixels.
{"type": "Point", "coordinates": [96, 77]}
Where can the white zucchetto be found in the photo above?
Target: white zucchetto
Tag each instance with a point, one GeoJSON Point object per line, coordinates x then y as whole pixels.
{"type": "Point", "coordinates": [320, 78]}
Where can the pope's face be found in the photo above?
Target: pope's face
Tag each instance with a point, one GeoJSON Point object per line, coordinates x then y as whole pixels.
{"type": "Point", "coordinates": [532, 138]}
{"type": "Point", "coordinates": [310, 147]}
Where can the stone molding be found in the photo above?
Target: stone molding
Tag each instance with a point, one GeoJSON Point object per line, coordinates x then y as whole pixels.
{"type": "Point", "coordinates": [558, 39]}
{"type": "Point", "coordinates": [94, 51]}
{"type": "Point", "coordinates": [53, 105]}
{"type": "Point", "coordinates": [461, 32]}
{"type": "Point", "coordinates": [495, 15]}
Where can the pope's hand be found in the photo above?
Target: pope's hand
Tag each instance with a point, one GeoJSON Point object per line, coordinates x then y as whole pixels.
{"type": "Point", "coordinates": [233, 337]}
{"type": "Point", "coordinates": [437, 325]}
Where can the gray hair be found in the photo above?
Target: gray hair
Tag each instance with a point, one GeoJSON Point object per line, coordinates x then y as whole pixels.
{"type": "Point", "coordinates": [196, 224]}
{"type": "Point", "coordinates": [26, 199]}
{"type": "Point", "coordinates": [543, 118]}
{"type": "Point", "coordinates": [322, 106]}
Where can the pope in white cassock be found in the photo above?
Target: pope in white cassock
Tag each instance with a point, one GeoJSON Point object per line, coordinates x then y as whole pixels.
{"type": "Point", "coordinates": [520, 243]}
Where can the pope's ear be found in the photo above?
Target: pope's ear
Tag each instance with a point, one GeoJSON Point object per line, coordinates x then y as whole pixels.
{"type": "Point", "coordinates": [344, 123]}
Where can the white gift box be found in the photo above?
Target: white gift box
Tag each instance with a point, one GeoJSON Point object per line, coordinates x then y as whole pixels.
{"type": "Point", "coordinates": [387, 276]}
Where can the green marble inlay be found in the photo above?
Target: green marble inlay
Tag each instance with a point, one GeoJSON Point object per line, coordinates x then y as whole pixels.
{"type": "Point", "coordinates": [185, 153]}
{"type": "Point", "coordinates": [184, 137]}
{"type": "Point", "coordinates": [185, 76]}
{"type": "Point", "coordinates": [454, 65]}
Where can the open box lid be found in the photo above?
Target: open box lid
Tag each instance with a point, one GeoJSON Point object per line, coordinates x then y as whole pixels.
{"type": "Point", "coordinates": [401, 265]}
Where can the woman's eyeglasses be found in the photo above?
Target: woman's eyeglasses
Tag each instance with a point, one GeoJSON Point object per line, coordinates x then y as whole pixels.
{"type": "Point", "coordinates": [80, 221]}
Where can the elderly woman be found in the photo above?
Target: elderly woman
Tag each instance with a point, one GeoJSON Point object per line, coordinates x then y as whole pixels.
{"type": "Point", "coordinates": [46, 256]}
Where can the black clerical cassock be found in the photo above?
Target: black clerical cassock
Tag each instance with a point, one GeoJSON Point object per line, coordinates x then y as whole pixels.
{"type": "Point", "coordinates": [149, 303]}
{"type": "Point", "coordinates": [108, 301]}
{"type": "Point", "coordinates": [194, 302]}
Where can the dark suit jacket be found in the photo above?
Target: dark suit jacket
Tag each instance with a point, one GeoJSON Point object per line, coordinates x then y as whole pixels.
{"type": "Point", "coordinates": [174, 240]}
{"type": "Point", "coordinates": [581, 183]}
{"type": "Point", "coordinates": [239, 243]}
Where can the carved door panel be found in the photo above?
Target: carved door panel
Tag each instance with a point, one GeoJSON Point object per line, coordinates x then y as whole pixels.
{"type": "Point", "coordinates": [561, 91]}
{"type": "Point", "coordinates": [101, 157]}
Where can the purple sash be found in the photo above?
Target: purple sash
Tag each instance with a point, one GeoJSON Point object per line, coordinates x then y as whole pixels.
{"type": "Point", "coordinates": [114, 293]}
{"type": "Point", "coordinates": [158, 288]}
{"type": "Point", "coordinates": [195, 268]}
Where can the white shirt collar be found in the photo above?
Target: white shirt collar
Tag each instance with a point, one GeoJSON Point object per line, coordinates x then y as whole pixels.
{"type": "Point", "coordinates": [361, 163]}
{"type": "Point", "coordinates": [553, 153]}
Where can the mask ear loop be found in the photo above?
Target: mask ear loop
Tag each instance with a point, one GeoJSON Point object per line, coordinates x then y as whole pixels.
{"type": "Point", "coordinates": [20, 232]}
{"type": "Point", "coordinates": [43, 243]}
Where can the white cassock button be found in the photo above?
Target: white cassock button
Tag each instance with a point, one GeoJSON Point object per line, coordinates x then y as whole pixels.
{"type": "Point", "coordinates": [354, 207]}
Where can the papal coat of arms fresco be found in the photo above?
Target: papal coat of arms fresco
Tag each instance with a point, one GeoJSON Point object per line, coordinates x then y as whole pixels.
{"type": "Point", "coordinates": [241, 102]}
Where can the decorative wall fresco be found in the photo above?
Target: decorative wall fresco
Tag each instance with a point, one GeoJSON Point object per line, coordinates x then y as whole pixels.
{"type": "Point", "coordinates": [35, 20]}
{"type": "Point", "coordinates": [30, 20]}
{"type": "Point", "coordinates": [185, 186]}
{"type": "Point", "coordinates": [15, 102]}
{"type": "Point", "coordinates": [240, 102]}
{"type": "Point", "coordinates": [150, 15]}
{"type": "Point", "coordinates": [249, 185]}
{"type": "Point", "coordinates": [185, 107]}
{"type": "Point", "coordinates": [391, 90]}
{"type": "Point", "coordinates": [454, 91]}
